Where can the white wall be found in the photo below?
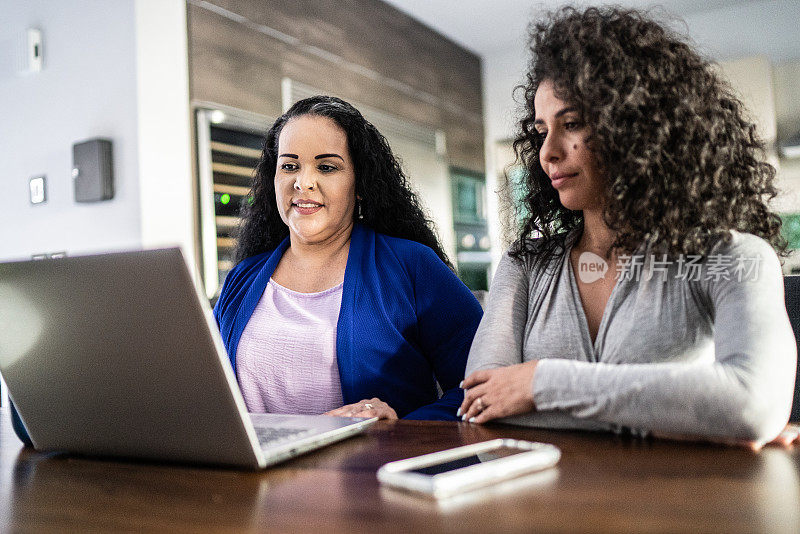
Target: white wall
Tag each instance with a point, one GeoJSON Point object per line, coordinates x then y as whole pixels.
{"type": "Point", "coordinates": [86, 89]}
{"type": "Point", "coordinates": [766, 28]}
{"type": "Point", "coordinates": [115, 69]}
{"type": "Point", "coordinates": [168, 211]}
{"type": "Point", "coordinates": [502, 72]}
{"type": "Point", "coordinates": [430, 178]}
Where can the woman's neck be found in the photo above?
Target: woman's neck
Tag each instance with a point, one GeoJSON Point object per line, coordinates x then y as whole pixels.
{"type": "Point", "coordinates": [597, 237]}
{"type": "Point", "coordinates": [312, 267]}
{"type": "Point", "coordinates": [327, 253]}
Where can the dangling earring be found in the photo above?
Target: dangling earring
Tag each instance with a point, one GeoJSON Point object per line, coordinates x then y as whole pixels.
{"type": "Point", "coordinates": [358, 205]}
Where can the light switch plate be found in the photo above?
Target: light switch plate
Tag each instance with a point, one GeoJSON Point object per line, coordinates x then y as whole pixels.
{"type": "Point", "coordinates": [38, 189]}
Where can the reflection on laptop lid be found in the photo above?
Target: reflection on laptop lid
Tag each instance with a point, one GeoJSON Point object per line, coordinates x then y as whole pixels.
{"type": "Point", "coordinates": [119, 355]}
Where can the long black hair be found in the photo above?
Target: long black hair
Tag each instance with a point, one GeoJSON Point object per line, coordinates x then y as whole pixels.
{"type": "Point", "coordinates": [388, 205]}
{"type": "Point", "coordinates": [684, 165]}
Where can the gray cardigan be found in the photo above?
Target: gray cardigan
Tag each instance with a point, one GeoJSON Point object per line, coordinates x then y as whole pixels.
{"type": "Point", "coordinates": [705, 351]}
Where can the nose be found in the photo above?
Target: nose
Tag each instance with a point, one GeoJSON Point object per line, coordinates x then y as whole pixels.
{"type": "Point", "coordinates": [305, 180]}
{"type": "Point", "coordinates": [552, 149]}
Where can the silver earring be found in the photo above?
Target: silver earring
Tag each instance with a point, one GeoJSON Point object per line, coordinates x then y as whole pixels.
{"type": "Point", "coordinates": [358, 205]}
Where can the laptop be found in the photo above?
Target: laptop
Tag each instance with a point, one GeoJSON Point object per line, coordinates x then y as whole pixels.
{"type": "Point", "coordinates": [119, 355]}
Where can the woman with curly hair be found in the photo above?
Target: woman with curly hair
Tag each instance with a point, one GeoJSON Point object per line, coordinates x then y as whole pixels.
{"type": "Point", "coordinates": [643, 290]}
{"type": "Point", "coordinates": [343, 301]}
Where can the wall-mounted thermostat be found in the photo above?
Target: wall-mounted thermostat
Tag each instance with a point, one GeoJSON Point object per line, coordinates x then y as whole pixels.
{"type": "Point", "coordinates": [93, 170]}
{"type": "Point", "coordinates": [33, 51]}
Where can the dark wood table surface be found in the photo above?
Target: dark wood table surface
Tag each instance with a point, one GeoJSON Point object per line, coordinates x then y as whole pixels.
{"type": "Point", "coordinates": [604, 483]}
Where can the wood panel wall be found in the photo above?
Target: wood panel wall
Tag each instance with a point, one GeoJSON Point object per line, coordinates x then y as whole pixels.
{"type": "Point", "coordinates": [407, 69]}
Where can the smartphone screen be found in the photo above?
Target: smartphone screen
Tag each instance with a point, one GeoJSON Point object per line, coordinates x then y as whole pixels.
{"type": "Point", "coordinates": [483, 457]}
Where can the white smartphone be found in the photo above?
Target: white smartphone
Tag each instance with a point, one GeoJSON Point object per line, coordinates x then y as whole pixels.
{"type": "Point", "coordinates": [452, 471]}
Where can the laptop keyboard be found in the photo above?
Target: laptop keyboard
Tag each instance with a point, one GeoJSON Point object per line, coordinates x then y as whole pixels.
{"type": "Point", "coordinates": [274, 436]}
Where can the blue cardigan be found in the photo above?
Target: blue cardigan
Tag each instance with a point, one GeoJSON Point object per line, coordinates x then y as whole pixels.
{"type": "Point", "coordinates": [406, 321]}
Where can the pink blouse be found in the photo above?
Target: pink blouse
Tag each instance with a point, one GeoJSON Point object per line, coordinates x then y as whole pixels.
{"type": "Point", "coordinates": [286, 360]}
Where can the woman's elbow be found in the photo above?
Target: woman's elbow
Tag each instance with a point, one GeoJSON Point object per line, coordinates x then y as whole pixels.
{"type": "Point", "coordinates": [759, 403]}
{"type": "Point", "coordinates": [759, 420]}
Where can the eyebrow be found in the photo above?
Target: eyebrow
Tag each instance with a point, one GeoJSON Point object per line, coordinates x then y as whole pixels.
{"type": "Point", "coordinates": [322, 156]}
{"type": "Point", "coordinates": [289, 156]}
{"type": "Point", "coordinates": [564, 111]}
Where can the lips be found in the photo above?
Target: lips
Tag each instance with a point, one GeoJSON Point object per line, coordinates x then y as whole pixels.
{"type": "Point", "coordinates": [560, 178]}
{"type": "Point", "coordinates": [305, 206]}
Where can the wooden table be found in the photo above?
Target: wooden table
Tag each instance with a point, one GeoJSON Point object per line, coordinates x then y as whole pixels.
{"type": "Point", "coordinates": [603, 483]}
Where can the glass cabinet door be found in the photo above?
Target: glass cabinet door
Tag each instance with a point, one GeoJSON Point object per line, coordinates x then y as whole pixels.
{"type": "Point", "coordinates": [228, 150]}
{"type": "Point", "coordinates": [472, 233]}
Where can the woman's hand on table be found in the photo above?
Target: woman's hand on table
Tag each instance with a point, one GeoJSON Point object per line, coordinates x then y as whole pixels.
{"type": "Point", "coordinates": [500, 392]}
{"type": "Point", "coordinates": [789, 436]}
{"type": "Point", "coordinates": [366, 408]}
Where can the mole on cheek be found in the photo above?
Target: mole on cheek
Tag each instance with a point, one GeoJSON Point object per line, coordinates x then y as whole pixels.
{"type": "Point", "coordinates": [574, 147]}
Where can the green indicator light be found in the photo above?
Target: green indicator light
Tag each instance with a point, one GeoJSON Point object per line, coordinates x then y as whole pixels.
{"type": "Point", "coordinates": [225, 198]}
{"type": "Point", "coordinates": [250, 200]}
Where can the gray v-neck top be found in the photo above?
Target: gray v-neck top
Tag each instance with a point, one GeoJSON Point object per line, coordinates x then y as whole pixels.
{"type": "Point", "coordinates": [705, 350]}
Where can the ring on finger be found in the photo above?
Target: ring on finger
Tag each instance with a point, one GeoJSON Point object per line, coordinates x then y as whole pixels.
{"type": "Point", "coordinates": [368, 406]}
{"type": "Point", "coordinates": [479, 402]}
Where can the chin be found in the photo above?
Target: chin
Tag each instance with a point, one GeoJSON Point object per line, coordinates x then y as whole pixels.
{"type": "Point", "coordinates": [314, 231]}
{"type": "Point", "coordinates": [307, 230]}
{"type": "Point", "coordinates": [570, 202]}
{"type": "Point", "coordinates": [577, 200]}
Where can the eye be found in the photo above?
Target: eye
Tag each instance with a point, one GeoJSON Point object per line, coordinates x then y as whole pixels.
{"type": "Point", "coordinates": [572, 125]}
{"type": "Point", "coordinates": [289, 167]}
{"type": "Point", "coordinates": [325, 167]}
{"type": "Point", "coordinates": [540, 136]}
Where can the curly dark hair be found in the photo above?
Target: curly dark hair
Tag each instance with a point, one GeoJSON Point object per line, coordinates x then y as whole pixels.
{"type": "Point", "coordinates": [683, 164]}
{"type": "Point", "coordinates": [388, 204]}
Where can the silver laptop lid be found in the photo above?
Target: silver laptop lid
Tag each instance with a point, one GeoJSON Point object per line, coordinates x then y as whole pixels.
{"type": "Point", "coordinates": [118, 354]}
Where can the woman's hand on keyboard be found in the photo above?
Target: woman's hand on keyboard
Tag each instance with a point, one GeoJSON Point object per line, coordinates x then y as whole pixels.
{"type": "Point", "coordinates": [366, 408]}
